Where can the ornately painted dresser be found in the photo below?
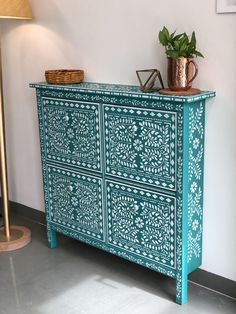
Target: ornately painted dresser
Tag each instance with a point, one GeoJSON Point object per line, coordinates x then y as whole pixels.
{"type": "Point", "coordinates": [123, 171]}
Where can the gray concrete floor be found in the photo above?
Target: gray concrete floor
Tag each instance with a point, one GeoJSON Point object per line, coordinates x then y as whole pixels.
{"type": "Point", "coordinates": [79, 279]}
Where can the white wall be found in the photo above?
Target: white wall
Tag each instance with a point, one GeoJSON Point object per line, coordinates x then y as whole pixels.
{"type": "Point", "coordinates": [110, 39]}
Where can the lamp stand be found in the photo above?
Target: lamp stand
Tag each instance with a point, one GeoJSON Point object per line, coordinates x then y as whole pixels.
{"type": "Point", "coordinates": [11, 237]}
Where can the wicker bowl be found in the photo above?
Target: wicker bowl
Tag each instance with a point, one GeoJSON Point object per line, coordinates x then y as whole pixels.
{"type": "Point", "coordinates": [64, 76]}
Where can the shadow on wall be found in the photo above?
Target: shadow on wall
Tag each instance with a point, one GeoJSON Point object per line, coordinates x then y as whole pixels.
{"type": "Point", "coordinates": [84, 34]}
{"type": "Point", "coordinates": [47, 46]}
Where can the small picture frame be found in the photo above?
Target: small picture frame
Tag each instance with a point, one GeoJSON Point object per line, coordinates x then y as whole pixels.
{"type": "Point", "coordinates": [226, 6]}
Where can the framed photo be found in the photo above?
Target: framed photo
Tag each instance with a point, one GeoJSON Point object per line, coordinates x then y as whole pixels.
{"type": "Point", "coordinates": [226, 6]}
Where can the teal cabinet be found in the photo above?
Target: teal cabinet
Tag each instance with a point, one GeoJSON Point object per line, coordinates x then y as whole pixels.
{"type": "Point", "coordinates": [123, 171]}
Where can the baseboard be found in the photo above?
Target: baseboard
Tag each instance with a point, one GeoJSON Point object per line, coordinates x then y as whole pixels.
{"type": "Point", "coordinates": [27, 212]}
{"type": "Point", "coordinates": [214, 282]}
{"type": "Point", "coordinates": [201, 277]}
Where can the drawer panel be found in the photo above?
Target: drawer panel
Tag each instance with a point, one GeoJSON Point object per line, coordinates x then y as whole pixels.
{"type": "Point", "coordinates": [142, 222]}
{"type": "Point", "coordinates": [141, 145]}
{"type": "Point", "coordinates": [72, 133]}
{"type": "Point", "coordinates": [75, 201]}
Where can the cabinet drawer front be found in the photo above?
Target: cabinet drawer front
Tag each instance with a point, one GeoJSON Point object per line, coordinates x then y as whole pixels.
{"type": "Point", "coordinates": [72, 133]}
{"type": "Point", "coordinates": [142, 222]}
{"type": "Point", "coordinates": [75, 201]}
{"type": "Point", "coordinates": [141, 145]}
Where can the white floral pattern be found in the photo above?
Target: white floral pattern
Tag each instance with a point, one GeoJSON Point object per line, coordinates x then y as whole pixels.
{"type": "Point", "coordinates": [195, 194]}
{"type": "Point", "coordinates": [72, 134]}
{"type": "Point", "coordinates": [76, 201]}
{"type": "Point", "coordinates": [142, 222]}
{"type": "Point", "coordinates": [195, 224]}
{"type": "Point", "coordinates": [141, 144]}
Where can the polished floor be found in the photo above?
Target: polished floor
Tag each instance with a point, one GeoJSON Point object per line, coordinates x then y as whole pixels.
{"type": "Point", "coordinates": [78, 279]}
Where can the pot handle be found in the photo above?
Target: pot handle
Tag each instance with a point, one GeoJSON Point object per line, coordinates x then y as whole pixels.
{"type": "Point", "coordinates": [196, 70]}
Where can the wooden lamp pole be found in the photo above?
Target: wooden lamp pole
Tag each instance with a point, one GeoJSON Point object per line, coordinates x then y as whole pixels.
{"type": "Point", "coordinates": [11, 237]}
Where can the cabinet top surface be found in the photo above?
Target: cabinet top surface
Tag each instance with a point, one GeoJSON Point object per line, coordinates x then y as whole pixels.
{"type": "Point", "coordinates": [121, 90]}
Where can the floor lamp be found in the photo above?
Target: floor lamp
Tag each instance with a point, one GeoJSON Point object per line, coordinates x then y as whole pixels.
{"type": "Point", "coordinates": [11, 237]}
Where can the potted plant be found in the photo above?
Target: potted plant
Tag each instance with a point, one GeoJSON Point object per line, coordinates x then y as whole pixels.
{"type": "Point", "coordinates": [180, 51]}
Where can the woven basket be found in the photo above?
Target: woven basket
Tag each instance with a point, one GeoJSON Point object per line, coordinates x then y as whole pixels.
{"type": "Point", "coordinates": [64, 76]}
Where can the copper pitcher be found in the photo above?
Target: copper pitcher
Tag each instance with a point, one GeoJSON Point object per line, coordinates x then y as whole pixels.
{"type": "Point", "coordinates": [181, 73]}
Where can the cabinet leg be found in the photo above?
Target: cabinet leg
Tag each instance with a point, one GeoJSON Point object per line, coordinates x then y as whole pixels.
{"type": "Point", "coordinates": [52, 237]}
{"type": "Point", "coordinates": [181, 289]}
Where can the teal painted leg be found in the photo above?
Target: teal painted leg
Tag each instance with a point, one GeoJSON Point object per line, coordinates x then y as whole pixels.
{"type": "Point", "coordinates": [181, 289]}
{"type": "Point", "coordinates": [52, 237]}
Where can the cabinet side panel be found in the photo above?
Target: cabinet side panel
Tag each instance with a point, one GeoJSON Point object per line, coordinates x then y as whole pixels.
{"type": "Point", "coordinates": [42, 142]}
{"type": "Point", "coordinates": [195, 183]}
{"type": "Point", "coordinates": [50, 233]}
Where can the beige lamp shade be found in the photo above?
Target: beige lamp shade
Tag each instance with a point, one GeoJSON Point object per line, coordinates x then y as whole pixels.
{"type": "Point", "coordinates": [15, 9]}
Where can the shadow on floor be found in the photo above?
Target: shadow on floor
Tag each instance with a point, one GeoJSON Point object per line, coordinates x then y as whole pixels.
{"type": "Point", "coordinates": [79, 279]}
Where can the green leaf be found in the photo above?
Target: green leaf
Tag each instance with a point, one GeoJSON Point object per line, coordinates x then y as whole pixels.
{"type": "Point", "coordinates": [172, 54]}
{"type": "Point", "coordinates": [176, 45]}
{"type": "Point", "coordinates": [193, 41]}
{"type": "Point", "coordinates": [198, 54]}
{"type": "Point", "coordinates": [165, 30]}
{"type": "Point", "coordinates": [184, 40]}
{"type": "Point", "coordinates": [164, 36]}
{"type": "Point", "coordinates": [183, 48]}
{"type": "Point", "coordinates": [172, 35]}
{"type": "Point", "coordinates": [185, 37]}
{"type": "Point", "coordinates": [162, 39]}
{"type": "Point", "coordinates": [177, 37]}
